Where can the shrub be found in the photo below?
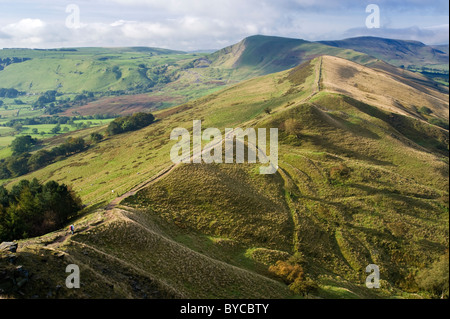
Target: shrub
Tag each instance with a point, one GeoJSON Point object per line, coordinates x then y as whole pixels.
{"type": "Point", "coordinates": [425, 110]}
{"type": "Point", "coordinates": [293, 275]}
{"type": "Point", "coordinates": [96, 137]}
{"type": "Point", "coordinates": [341, 171]}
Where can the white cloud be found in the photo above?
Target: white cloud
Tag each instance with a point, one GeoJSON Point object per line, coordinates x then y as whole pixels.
{"type": "Point", "coordinates": [195, 24]}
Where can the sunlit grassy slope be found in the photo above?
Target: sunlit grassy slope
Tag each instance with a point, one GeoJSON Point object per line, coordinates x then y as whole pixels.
{"type": "Point", "coordinates": [357, 184]}
{"type": "Point", "coordinates": [90, 69]}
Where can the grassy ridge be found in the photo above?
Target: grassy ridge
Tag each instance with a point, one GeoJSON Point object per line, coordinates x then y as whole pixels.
{"type": "Point", "coordinates": [350, 190]}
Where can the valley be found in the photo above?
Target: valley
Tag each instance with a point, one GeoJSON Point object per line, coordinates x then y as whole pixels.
{"type": "Point", "coordinates": [362, 177]}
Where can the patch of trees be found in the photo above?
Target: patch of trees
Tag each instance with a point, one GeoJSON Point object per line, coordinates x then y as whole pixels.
{"type": "Point", "coordinates": [9, 93]}
{"type": "Point", "coordinates": [161, 74]}
{"type": "Point", "coordinates": [33, 209]}
{"type": "Point", "coordinates": [47, 97]}
{"type": "Point", "coordinates": [117, 72]}
{"type": "Point", "coordinates": [22, 163]}
{"type": "Point", "coordinates": [52, 106]}
{"type": "Point", "coordinates": [7, 61]}
{"type": "Point", "coordinates": [55, 120]}
{"type": "Point", "coordinates": [130, 123]}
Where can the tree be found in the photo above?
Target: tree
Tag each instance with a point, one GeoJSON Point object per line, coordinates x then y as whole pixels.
{"type": "Point", "coordinates": [18, 165]}
{"type": "Point", "coordinates": [22, 144]}
{"type": "Point", "coordinates": [56, 129]}
{"type": "Point", "coordinates": [39, 159]}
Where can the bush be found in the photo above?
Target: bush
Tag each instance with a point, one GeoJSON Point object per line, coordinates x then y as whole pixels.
{"type": "Point", "coordinates": [293, 275]}
{"type": "Point", "coordinates": [303, 286]}
{"type": "Point", "coordinates": [339, 172]}
{"type": "Point", "coordinates": [425, 110]}
{"type": "Point", "coordinates": [96, 137]}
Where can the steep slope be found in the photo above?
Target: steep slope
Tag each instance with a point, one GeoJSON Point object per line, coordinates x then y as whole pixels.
{"type": "Point", "coordinates": [357, 183]}
{"type": "Point", "coordinates": [267, 54]}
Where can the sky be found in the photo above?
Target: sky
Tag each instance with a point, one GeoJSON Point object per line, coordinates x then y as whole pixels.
{"type": "Point", "coordinates": [190, 25]}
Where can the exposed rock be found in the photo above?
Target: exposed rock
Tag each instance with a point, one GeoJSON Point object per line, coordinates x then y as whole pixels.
{"type": "Point", "coordinates": [8, 246]}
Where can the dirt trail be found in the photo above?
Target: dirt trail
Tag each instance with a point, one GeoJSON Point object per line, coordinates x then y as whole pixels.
{"type": "Point", "coordinates": [141, 186]}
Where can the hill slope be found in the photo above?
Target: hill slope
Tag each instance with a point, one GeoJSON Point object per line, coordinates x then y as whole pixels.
{"type": "Point", "coordinates": [396, 52]}
{"type": "Point", "coordinates": [268, 54]}
{"type": "Point", "coordinates": [350, 190]}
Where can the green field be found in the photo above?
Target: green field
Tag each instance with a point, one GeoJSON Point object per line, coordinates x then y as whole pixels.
{"type": "Point", "coordinates": [8, 134]}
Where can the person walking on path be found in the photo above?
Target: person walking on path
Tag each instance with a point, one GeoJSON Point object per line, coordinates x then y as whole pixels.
{"type": "Point", "coordinates": [72, 229]}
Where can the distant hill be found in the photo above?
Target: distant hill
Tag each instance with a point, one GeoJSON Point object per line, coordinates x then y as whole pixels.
{"type": "Point", "coordinates": [406, 53]}
{"type": "Point", "coordinates": [76, 70]}
{"type": "Point", "coordinates": [441, 47]}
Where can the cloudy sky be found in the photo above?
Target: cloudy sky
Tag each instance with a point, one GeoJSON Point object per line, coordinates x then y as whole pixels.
{"type": "Point", "coordinates": [211, 24]}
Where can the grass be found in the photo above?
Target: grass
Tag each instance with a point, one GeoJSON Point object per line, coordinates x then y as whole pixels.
{"type": "Point", "coordinates": [350, 190]}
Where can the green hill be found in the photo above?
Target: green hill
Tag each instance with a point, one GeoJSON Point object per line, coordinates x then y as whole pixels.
{"type": "Point", "coordinates": [358, 183]}
{"type": "Point", "coordinates": [84, 69]}
{"type": "Point", "coordinates": [267, 54]}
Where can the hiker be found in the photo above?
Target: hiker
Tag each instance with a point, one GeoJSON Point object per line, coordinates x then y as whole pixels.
{"type": "Point", "coordinates": [72, 229]}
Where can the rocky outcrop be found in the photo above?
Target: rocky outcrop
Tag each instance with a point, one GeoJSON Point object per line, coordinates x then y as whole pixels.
{"type": "Point", "coordinates": [12, 277]}
{"type": "Point", "coordinates": [8, 246]}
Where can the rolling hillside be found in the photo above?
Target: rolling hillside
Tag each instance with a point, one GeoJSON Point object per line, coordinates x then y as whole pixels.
{"type": "Point", "coordinates": [161, 78]}
{"type": "Point", "coordinates": [350, 191]}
